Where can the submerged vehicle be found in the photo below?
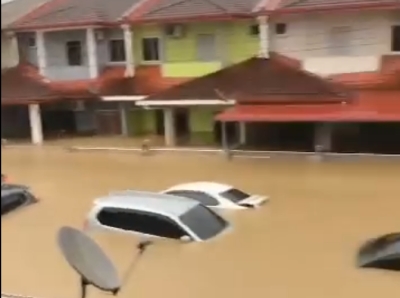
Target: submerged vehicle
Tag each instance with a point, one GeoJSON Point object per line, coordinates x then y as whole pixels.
{"type": "Point", "coordinates": [381, 253]}
{"type": "Point", "coordinates": [154, 215]}
{"type": "Point", "coordinates": [217, 195]}
{"type": "Point", "coordinates": [15, 196]}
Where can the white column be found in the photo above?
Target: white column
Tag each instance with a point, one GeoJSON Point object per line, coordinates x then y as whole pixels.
{"type": "Point", "coordinates": [130, 59]}
{"type": "Point", "coordinates": [242, 133]}
{"type": "Point", "coordinates": [35, 122]}
{"type": "Point", "coordinates": [92, 53]}
{"type": "Point", "coordinates": [263, 30]}
{"type": "Point", "coordinates": [41, 52]}
{"type": "Point", "coordinates": [169, 127]}
{"type": "Point", "coordinates": [124, 123]}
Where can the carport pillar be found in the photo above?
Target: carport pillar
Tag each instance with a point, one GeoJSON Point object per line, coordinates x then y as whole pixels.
{"type": "Point", "coordinates": [41, 52]}
{"type": "Point", "coordinates": [35, 122]}
{"type": "Point", "coordinates": [323, 137]}
{"type": "Point", "coordinates": [169, 127]}
{"type": "Point", "coordinates": [92, 53]}
{"type": "Point", "coordinates": [242, 133]}
{"type": "Point", "coordinates": [124, 120]}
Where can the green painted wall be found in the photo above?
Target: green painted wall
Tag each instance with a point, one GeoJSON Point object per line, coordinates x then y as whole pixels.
{"type": "Point", "coordinates": [201, 122]}
{"type": "Point", "coordinates": [141, 122]}
{"type": "Point", "coordinates": [234, 44]}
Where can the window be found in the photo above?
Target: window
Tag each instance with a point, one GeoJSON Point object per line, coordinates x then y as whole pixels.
{"type": "Point", "coordinates": [117, 50]}
{"type": "Point", "coordinates": [340, 41]}
{"type": "Point", "coordinates": [74, 53]}
{"type": "Point", "coordinates": [234, 195]}
{"type": "Point", "coordinates": [151, 49]}
{"type": "Point", "coordinates": [395, 39]}
{"type": "Point", "coordinates": [206, 47]}
{"type": "Point", "coordinates": [12, 201]}
{"type": "Point", "coordinates": [141, 222]}
{"type": "Point", "coordinates": [203, 222]}
{"type": "Point", "coordinates": [254, 30]}
{"type": "Point", "coordinates": [196, 195]}
{"type": "Point", "coordinates": [280, 28]}
{"type": "Point", "coordinates": [32, 42]}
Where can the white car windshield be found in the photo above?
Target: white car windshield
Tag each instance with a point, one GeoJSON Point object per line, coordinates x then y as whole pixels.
{"type": "Point", "coordinates": [235, 195]}
{"type": "Point", "coordinates": [204, 222]}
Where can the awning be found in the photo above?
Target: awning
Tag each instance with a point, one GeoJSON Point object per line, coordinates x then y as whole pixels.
{"type": "Point", "coordinates": [383, 107]}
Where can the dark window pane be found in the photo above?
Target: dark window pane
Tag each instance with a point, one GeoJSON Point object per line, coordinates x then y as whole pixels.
{"type": "Point", "coordinates": [204, 222]}
{"type": "Point", "coordinates": [74, 53]}
{"type": "Point", "coordinates": [12, 201]}
{"type": "Point", "coordinates": [150, 49]}
{"type": "Point", "coordinates": [117, 50]}
{"type": "Point", "coordinates": [142, 222]}
{"type": "Point", "coordinates": [234, 195]}
{"type": "Point", "coordinates": [196, 195]}
{"type": "Point", "coordinates": [280, 28]}
{"type": "Point", "coordinates": [396, 39]}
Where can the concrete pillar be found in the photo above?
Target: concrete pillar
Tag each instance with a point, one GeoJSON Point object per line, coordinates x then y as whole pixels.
{"type": "Point", "coordinates": [242, 133]}
{"type": "Point", "coordinates": [263, 30]}
{"type": "Point", "coordinates": [35, 122]}
{"type": "Point", "coordinates": [92, 53]}
{"type": "Point", "coordinates": [323, 137]}
{"type": "Point", "coordinates": [41, 52]}
{"type": "Point", "coordinates": [169, 127]}
{"type": "Point", "coordinates": [124, 120]}
{"type": "Point", "coordinates": [129, 48]}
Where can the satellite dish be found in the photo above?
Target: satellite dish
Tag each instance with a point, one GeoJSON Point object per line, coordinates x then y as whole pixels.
{"type": "Point", "coordinates": [87, 258]}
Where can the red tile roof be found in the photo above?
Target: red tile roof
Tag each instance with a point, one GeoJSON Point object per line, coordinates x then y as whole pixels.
{"type": "Point", "coordinates": [328, 5]}
{"type": "Point", "coordinates": [369, 107]}
{"type": "Point", "coordinates": [112, 81]}
{"type": "Point", "coordinates": [183, 10]}
{"type": "Point", "coordinates": [75, 13]}
{"type": "Point", "coordinates": [258, 80]}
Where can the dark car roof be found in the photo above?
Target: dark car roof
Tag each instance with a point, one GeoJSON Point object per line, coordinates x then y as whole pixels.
{"type": "Point", "coordinates": [7, 188]}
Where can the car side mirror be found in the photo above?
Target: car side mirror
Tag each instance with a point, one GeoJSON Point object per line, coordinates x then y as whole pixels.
{"type": "Point", "coordinates": [185, 239]}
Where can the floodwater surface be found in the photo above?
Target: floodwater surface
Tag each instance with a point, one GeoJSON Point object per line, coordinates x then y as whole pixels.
{"type": "Point", "coordinates": [302, 244]}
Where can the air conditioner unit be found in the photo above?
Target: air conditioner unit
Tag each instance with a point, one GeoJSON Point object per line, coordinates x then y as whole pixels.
{"type": "Point", "coordinates": [79, 105]}
{"type": "Point", "coordinates": [99, 35]}
{"type": "Point", "coordinates": [175, 30]}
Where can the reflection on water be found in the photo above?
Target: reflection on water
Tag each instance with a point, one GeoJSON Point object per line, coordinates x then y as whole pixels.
{"type": "Point", "coordinates": [301, 244]}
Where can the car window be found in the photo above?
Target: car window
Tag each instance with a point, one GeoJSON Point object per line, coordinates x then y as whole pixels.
{"type": "Point", "coordinates": [12, 201]}
{"type": "Point", "coordinates": [234, 195]}
{"type": "Point", "coordinates": [195, 195]}
{"type": "Point", "coordinates": [142, 222]}
{"type": "Point", "coordinates": [204, 222]}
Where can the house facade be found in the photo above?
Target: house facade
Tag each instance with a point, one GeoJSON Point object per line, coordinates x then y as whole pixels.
{"type": "Point", "coordinates": [130, 55]}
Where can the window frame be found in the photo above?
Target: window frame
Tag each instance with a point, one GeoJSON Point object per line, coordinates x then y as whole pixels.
{"type": "Point", "coordinates": [68, 47]}
{"type": "Point", "coordinates": [186, 194]}
{"type": "Point", "coordinates": [111, 48]}
{"type": "Point", "coordinates": [395, 44]}
{"type": "Point", "coordinates": [158, 50]}
{"type": "Point", "coordinates": [158, 218]}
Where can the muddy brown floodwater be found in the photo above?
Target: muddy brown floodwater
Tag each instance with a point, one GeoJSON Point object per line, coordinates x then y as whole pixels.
{"type": "Point", "coordinates": [301, 245]}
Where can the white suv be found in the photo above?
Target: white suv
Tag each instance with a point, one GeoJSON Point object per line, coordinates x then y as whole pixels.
{"type": "Point", "coordinates": [152, 215]}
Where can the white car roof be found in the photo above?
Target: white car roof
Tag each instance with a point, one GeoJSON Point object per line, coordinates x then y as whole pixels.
{"type": "Point", "coordinates": [147, 201]}
{"type": "Point", "coordinates": [209, 187]}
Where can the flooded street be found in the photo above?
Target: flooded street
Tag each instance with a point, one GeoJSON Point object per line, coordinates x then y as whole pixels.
{"type": "Point", "coordinates": [302, 244]}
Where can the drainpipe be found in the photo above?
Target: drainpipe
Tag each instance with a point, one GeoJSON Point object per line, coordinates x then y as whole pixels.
{"type": "Point", "coordinates": [41, 52]}
{"type": "Point", "coordinates": [130, 60]}
{"type": "Point", "coordinates": [263, 35]}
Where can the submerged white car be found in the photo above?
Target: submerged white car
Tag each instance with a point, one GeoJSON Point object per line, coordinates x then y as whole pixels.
{"type": "Point", "coordinates": [153, 215]}
{"type": "Point", "coordinates": [217, 195]}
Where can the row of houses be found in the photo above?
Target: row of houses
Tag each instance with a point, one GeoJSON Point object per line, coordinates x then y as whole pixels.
{"type": "Point", "coordinates": [184, 68]}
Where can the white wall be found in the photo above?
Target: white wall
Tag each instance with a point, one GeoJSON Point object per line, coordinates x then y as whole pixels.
{"type": "Point", "coordinates": [9, 51]}
{"type": "Point", "coordinates": [307, 38]}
